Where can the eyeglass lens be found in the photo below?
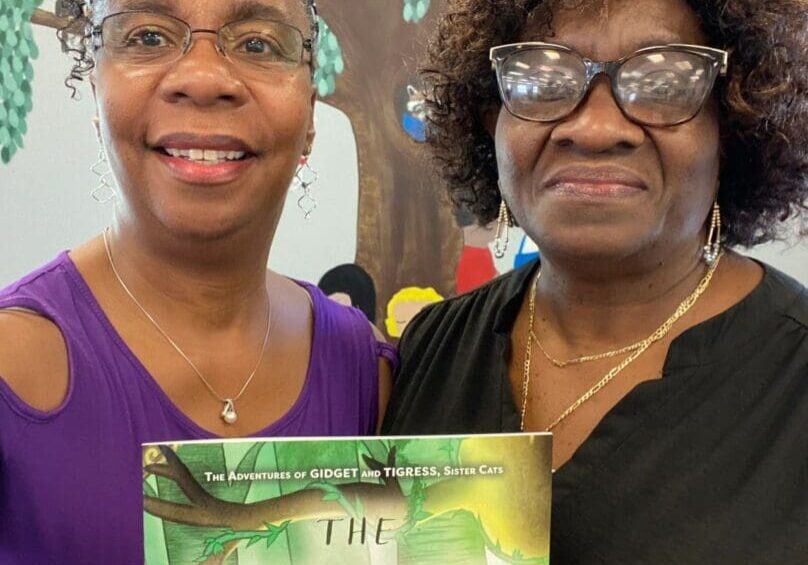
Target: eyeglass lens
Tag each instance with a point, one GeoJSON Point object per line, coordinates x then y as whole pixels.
{"type": "Point", "coordinates": [661, 87]}
{"type": "Point", "coordinates": [144, 38]}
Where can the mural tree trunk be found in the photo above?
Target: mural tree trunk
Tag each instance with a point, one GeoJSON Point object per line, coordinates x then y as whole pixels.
{"type": "Point", "coordinates": [407, 235]}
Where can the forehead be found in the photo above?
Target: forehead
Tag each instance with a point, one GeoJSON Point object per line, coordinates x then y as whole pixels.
{"type": "Point", "coordinates": [212, 13]}
{"type": "Point", "coordinates": [609, 29]}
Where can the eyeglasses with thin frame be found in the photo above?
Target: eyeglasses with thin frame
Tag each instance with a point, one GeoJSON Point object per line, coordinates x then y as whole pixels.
{"type": "Point", "coordinates": [146, 38]}
{"type": "Point", "coordinates": [664, 85]}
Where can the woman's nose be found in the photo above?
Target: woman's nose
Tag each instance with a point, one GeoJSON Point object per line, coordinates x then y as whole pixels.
{"type": "Point", "coordinates": [202, 76]}
{"type": "Point", "coordinates": [598, 125]}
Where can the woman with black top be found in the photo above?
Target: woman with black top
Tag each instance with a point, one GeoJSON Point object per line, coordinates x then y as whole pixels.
{"type": "Point", "coordinates": [637, 143]}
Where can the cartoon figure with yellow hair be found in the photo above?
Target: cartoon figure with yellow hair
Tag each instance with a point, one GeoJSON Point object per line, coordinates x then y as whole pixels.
{"type": "Point", "coordinates": [405, 304]}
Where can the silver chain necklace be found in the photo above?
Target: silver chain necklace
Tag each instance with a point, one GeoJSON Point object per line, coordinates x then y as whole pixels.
{"type": "Point", "coordinates": [228, 414]}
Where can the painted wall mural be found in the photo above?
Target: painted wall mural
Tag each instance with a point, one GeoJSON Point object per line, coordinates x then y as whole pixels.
{"type": "Point", "coordinates": [17, 50]}
{"type": "Point", "coordinates": [414, 246]}
{"type": "Point", "coordinates": [351, 285]}
{"type": "Point", "coordinates": [407, 237]}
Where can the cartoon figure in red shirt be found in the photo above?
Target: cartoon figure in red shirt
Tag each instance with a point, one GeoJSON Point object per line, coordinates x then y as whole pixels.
{"type": "Point", "coordinates": [476, 266]}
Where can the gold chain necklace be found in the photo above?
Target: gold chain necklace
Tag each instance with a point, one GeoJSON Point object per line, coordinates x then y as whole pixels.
{"type": "Point", "coordinates": [640, 348]}
{"type": "Point", "coordinates": [584, 358]}
{"type": "Point", "coordinates": [228, 414]}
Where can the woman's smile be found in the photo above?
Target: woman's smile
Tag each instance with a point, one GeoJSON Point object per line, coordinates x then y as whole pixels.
{"type": "Point", "coordinates": [204, 159]}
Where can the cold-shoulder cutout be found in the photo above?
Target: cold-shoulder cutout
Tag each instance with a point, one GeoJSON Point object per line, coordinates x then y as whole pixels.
{"type": "Point", "coordinates": [33, 359]}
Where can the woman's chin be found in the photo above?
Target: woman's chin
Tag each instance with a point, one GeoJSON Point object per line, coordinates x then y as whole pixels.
{"type": "Point", "coordinates": [593, 246]}
{"type": "Point", "coordinates": [203, 228]}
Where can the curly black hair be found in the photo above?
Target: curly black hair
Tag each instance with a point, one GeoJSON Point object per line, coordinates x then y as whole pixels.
{"type": "Point", "coordinates": [75, 35]}
{"type": "Point", "coordinates": [763, 104]}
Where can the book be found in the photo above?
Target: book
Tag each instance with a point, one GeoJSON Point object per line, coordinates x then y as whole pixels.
{"type": "Point", "coordinates": [470, 500]}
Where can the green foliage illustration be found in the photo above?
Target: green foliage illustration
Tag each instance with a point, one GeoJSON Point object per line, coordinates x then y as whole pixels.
{"type": "Point", "coordinates": [516, 559]}
{"type": "Point", "coordinates": [415, 10]}
{"type": "Point", "coordinates": [334, 494]}
{"type": "Point", "coordinates": [17, 50]}
{"type": "Point", "coordinates": [329, 61]}
{"type": "Point", "coordinates": [216, 545]}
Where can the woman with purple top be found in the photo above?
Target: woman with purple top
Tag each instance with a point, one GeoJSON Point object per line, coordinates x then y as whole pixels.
{"type": "Point", "coordinates": [168, 326]}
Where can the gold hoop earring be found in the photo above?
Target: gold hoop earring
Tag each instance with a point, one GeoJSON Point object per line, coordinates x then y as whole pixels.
{"type": "Point", "coordinates": [504, 223]}
{"type": "Point", "coordinates": [713, 246]}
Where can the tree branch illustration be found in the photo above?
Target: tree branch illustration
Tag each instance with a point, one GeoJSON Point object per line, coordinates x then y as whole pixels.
{"type": "Point", "coordinates": [47, 19]}
{"type": "Point", "coordinates": [206, 510]}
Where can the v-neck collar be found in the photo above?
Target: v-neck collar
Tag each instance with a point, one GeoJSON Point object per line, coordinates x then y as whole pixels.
{"type": "Point", "coordinates": [699, 345]}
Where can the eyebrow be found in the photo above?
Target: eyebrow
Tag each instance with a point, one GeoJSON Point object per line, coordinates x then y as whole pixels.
{"type": "Point", "coordinates": [661, 40]}
{"type": "Point", "coordinates": [240, 11]}
{"type": "Point", "coordinates": [253, 9]}
{"type": "Point", "coordinates": [655, 41]}
{"type": "Point", "coordinates": [158, 6]}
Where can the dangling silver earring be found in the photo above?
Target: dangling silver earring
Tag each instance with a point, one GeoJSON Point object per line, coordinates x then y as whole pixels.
{"type": "Point", "coordinates": [305, 177]}
{"type": "Point", "coordinates": [504, 224]}
{"type": "Point", "coordinates": [713, 246]}
{"type": "Point", "coordinates": [105, 191]}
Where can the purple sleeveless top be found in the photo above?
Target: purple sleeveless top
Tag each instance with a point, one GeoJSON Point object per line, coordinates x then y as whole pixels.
{"type": "Point", "coordinates": [71, 479]}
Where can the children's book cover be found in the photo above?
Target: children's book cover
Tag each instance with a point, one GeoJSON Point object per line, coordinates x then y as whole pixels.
{"type": "Point", "coordinates": [470, 500]}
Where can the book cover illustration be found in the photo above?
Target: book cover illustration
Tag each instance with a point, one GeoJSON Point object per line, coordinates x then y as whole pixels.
{"type": "Point", "coordinates": [470, 500]}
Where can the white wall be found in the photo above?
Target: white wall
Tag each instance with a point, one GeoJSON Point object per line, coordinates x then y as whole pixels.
{"type": "Point", "coordinates": [45, 203]}
{"type": "Point", "coordinates": [790, 256]}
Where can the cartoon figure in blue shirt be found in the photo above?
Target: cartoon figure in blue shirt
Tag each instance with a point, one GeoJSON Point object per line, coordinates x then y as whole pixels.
{"type": "Point", "coordinates": [413, 120]}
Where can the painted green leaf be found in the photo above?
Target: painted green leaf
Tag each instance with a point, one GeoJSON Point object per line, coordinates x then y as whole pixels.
{"type": "Point", "coordinates": [330, 62]}
{"type": "Point", "coordinates": [254, 540]}
{"type": "Point", "coordinates": [377, 449]}
{"type": "Point", "coordinates": [17, 49]}
{"type": "Point", "coordinates": [415, 10]}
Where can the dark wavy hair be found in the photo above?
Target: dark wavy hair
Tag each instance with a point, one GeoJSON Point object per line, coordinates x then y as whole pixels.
{"type": "Point", "coordinates": [75, 36]}
{"type": "Point", "coordinates": [763, 104]}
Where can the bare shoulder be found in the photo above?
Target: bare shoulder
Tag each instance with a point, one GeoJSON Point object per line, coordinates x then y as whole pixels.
{"type": "Point", "coordinates": [33, 358]}
{"type": "Point", "coordinates": [385, 380]}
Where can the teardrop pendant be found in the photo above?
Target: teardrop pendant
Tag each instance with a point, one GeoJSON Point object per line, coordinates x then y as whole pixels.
{"type": "Point", "coordinates": [229, 412]}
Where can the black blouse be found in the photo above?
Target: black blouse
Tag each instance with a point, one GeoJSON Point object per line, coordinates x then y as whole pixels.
{"type": "Point", "coordinates": [707, 465]}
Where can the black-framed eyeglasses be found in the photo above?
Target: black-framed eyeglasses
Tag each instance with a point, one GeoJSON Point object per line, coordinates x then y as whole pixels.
{"type": "Point", "coordinates": [664, 85]}
{"type": "Point", "coordinates": [151, 39]}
